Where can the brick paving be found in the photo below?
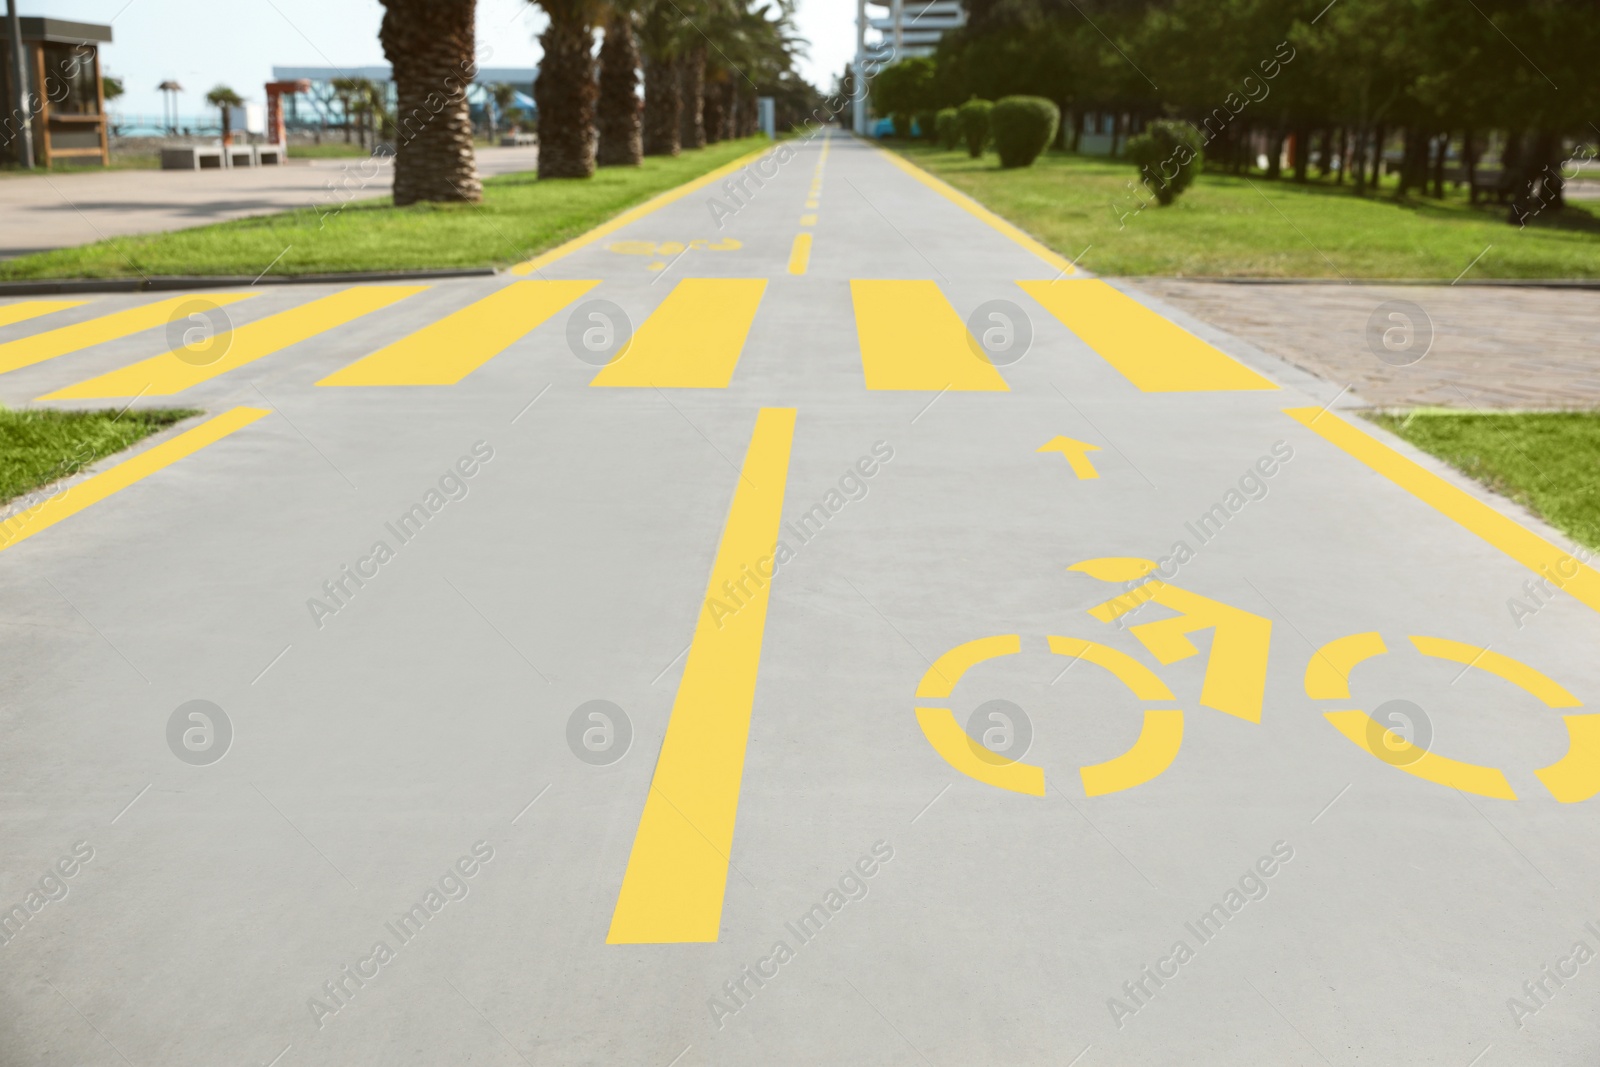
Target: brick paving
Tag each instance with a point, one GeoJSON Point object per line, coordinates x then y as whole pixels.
{"type": "Point", "coordinates": [1493, 346]}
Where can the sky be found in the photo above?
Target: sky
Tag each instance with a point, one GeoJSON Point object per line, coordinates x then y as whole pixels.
{"type": "Point", "coordinates": [203, 43]}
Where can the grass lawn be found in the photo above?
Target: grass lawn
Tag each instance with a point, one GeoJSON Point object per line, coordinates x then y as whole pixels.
{"type": "Point", "coordinates": [40, 446]}
{"type": "Point", "coordinates": [1251, 227]}
{"type": "Point", "coordinates": [1545, 461]}
{"type": "Point", "coordinates": [520, 216]}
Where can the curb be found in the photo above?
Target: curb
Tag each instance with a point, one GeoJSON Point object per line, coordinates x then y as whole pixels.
{"type": "Point", "coordinates": [163, 283]}
{"type": "Point", "coordinates": [1499, 283]}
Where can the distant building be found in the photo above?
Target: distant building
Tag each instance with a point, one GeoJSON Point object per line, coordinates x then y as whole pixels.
{"type": "Point", "coordinates": [321, 108]}
{"type": "Point", "coordinates": [911, 28]}
{"type": "Point", "coordinates": [61, 68]}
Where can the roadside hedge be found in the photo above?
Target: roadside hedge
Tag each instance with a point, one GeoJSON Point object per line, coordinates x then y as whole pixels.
{"type": "Point", "coordinates": [1023, 126]}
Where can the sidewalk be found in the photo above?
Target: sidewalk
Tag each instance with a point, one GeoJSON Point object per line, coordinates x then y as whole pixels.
{"type": "Point", "coordinates": [63, 210]}
{"type": "Point", "coordinates": [1493, 347]}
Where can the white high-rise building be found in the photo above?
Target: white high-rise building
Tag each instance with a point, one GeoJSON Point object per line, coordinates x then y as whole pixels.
{"type": "Point", "coordinates": [911, 28]}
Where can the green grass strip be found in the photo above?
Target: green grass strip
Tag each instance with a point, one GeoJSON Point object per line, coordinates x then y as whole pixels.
{"type": "Point", "coordinates": [39, 446]}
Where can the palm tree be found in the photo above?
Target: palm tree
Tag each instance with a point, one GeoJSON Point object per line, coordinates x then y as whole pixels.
{"type": "Point", "coordinates": [223, 98]}
{"type": "Point", "coordinates": [621, 143]}
{"type": "Point", "coordinates": [692, 90]}
{"type": "Point", "coordinates": [565, 90]}
{"type": "Point", "coordinates": [429, 44]}
{"type": "Point", "coordinates": [659, 40]}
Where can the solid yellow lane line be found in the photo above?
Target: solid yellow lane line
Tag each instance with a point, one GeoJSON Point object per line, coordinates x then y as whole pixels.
{"type": "Point", "coordinates": [75, 498]}
{"type": "Point", "coordinates": [171, 372]}
{"type": "Point", "coordinates": [981, 213]}
{"type": "Point", "coordinates": [446, 351]}
{"type": "Point", "coordinates": [677, 872]}
{"type": "Point", "coordinates": [635, 214]}
{"type": "Point", "coordinates": [58, 342]}
{"type": "Point", "coordinates": [911, 338]}
{"type": "Point", "coordinates": [693, 340]}
{"type": "Point", "coordinates": [1509, 536]}
{"type": "Point", "coordinates": [1152, 352]}
{"type": "Point", "coordinates": [800, 253]}
{"type": "Point", "coordinates": [23, 310]}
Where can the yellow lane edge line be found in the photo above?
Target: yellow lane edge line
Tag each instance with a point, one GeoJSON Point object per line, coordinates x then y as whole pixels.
{"type": "Point", "coordinates": [677, 873]}
{"type": "Point", "coordinates": [979, 212]}
{"type": "Point", "coordinates": [1506, 534]}
{"type": "Point", "coordinates": [74, 498]}
{"type": "Point", "coordinates": [634, 214]}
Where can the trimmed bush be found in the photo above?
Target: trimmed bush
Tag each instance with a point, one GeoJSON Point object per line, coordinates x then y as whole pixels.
{"type": "Point", "coordinates": [974, 119]}
{"type": "Point", "coordinates": [948, 124]}
{"type": "Point", "coordinates": [1022, 127]}
{"type": "Point", "coordinates": [925, 125]}
{"type": "Point", "coordinates": [1168, 155]}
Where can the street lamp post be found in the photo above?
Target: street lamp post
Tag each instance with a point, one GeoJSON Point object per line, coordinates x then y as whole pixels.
{"type": "Point", "coordinates": [19, 87]}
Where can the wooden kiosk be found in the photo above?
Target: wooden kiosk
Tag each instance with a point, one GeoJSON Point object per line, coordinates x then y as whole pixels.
{"type": "Point", "coordinates": [62, 70]}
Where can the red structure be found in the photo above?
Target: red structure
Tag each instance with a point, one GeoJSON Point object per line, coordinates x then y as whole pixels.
{"type": "Point", "coordinates": [277, 133]}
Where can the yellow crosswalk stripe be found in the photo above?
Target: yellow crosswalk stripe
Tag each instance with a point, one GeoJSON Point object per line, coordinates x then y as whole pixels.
{"type": "Point", "coordinates": [74, 498]}
{"type": "Point", "coordinates": [911, 338]}
{"type": "Point", "coordinates": [1155, 354]}
{"type": "Point", "coordinates": [27, 351]}
{"type": "Point", "coordinates": [446, 351]}
{"type": "Point", "coordinates": [677, 873]}
{"type": "Point", "coordinates": [693, 340]}
{"type": "Point", "coordinates": [24, 310]}
{"type": "Point", "coordinates": [172, 372]}
{"type": "Point", "coordinates": [800, 253]}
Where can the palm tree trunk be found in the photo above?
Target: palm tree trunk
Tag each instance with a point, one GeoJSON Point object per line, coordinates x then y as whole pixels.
{"type": "Point", "coordinates": [661, 106]}
{"type": "Point", "coordinates": [691, 120]}
{"type": "Point", "coordinates": [714, 118]}
{"type": "Point", "coordinates": [429, 44]}
{"type": "Point", "coordinates": [565, 94]}
{"type": "Point", "coordinates": [620, 142]}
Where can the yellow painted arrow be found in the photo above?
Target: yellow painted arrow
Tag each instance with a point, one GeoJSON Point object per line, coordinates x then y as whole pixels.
{"type": "Point", "coordinates": [1076, 453]}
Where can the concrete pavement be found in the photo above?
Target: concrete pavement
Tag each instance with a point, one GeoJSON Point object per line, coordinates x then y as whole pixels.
{"type": "Point", "coordinates": [49, 211]}
{"type": "Point", "coordinates": [792, 688]}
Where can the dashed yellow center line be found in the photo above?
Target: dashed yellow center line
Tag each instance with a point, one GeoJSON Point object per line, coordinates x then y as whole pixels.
{"type": "Point", "coordinates": [808, 220]}
{"type": "Point", "coordinates": [677, 874]}
{"type": "Point", "coordinates": [693, 340]}
{"type": "Point", "coordinates": [800, 253]}
{"type": "Point", "coordinates": [75, 498]}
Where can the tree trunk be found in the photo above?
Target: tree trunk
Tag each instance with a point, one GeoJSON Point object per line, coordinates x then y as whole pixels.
{"type": "Point", "coordinates": [1344, 154]}
{"type": "Point", "coordinates": [429, 44]}
{"type": "Point", "coordinates": [661, 106]}
{"type": "Point", "coordinates": [1077, 129]}
{"type": "Point", "coordinates": [692, 90]}
{"type": "Point", "coordinates": [1275, 153]}
{"type": "Point", "coordinates": [730, 110]}
{"type": "Point", "coordinates": [1377, 155]}
{"type": "Point", "coordinates": [565, 93]}
{"type": "Point", "coordinates": [747, 114]}
{"type": "Point", "coordinates": [621, 143]}
{"type": "Point", "coordinates": [1442, 150]}
{"type": "Point", "coordinates": [714, 118]}
{"type": "Point", "coordinates": [1302, 154]}
{"type": "Point", "coordinates": [1469, 163]}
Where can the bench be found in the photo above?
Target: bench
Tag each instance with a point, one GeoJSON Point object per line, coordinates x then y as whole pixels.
{"type": "Point", "coordinates": [193, 157]}
{"type": "Point", "coordinates": [518, 140]}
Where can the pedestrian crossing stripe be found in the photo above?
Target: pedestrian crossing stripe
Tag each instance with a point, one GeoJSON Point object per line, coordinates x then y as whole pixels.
{"type": "Point", "coordinates": [25, 352]}
{"type": "Point", "coordinates": [1154, 353]}
{"type": "Point", "coordinates": [24, 310]}
{"type": "Point", "coordinates": [693, 340]}
{"type": "Point", "coordinates": [912, 339]}
{"type": "Point", "coordinates": [446, 351]}
{"type": "Point", "coordinates": [171, 373]}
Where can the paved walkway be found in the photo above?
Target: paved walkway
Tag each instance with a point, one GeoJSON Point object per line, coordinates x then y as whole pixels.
{"type": "Point", "coordinates": [1492, 346]}
{"type": "Point", "coordinates": [738, 645]}
{"type": "Point", "coordinates": [62, 210]}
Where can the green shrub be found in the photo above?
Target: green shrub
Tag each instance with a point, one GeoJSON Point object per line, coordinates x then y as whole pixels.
{"type": "Point", "coordinates": [1023, 126]}
{"type": "Point", "coordinates": [974, 118]}
{"type": "Point", "coordinates": [948, 125]}
{"type": "Point", "coordinates": [902, 124]}
{"type": "Point", "coordinates": [925, 125]}
{"type": "Point", "coordinates": [1168, 155]}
